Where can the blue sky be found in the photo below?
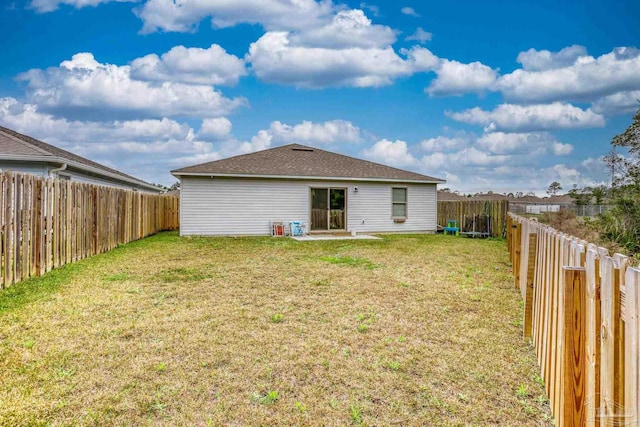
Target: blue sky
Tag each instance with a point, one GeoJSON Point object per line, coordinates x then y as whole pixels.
{"type": "Point", "coordinates": [492, 95]}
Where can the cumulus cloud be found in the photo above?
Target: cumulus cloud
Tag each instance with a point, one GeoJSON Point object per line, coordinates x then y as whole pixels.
{"type": "Point", "coordinates": [498, 161]}
{"type": "Point", "coordinates": [445, 143]}
{"type": "Point", "coordinates": [275, 59]}
{"type": "Point", "coordinates": [347, 29]}
{"type": "Point", "coordinates": [523, 118]}
{"type": "Point", "coordinates": [571, 75]}
{"type": "Point", "coordinates": [390, 153]}
{"type": "Point", "coordinates": [409, 11]}
{"type": "Point", "coordinates": [421, 59]}
{"type": "Point", "coordinates": [469, 156]}
{"type": "Point", "coordinates": [456, 78]}
{"type": "Point", "coordinates": [212, 66]}
{"type": "Point", "coordinates": [84, 87]}
{"type": "Point", "coordinates": [560, 149]}
{"type": "Point", "coordinates": [43, 6]}
{"type": "Point", "coordinates": [618, 103]}
{"type": "Point", "coordinates": [217, 128]}
{"type": "Point", "coordinates": [375, 10]}
{"type": "Point", "coordinates": [183, 16]}
{"type": "Point", "coordinates": [334, 131]}
{"type": "Point", "coordinates": [538, 60]}
{"type": "Point", "coordinates": [534, 143]}
{"type": "Point", "coordinates": [420, 35]}
{"type": "Point", "coordinates": [146, 148]}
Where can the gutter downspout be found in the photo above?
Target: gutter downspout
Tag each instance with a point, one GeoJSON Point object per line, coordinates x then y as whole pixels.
{"type": "Point", "coordinates": [60, 169]}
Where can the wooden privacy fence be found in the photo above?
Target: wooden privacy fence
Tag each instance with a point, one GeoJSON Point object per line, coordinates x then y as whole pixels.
{"type": "Point", "coordinates": [46, 223]}
{"type": "Point", "coordinates": [463, 211]}
{"type": "Point", "coordinates": [581, 310]}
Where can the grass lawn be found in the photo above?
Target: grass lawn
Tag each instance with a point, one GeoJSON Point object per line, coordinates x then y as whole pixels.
{"type": "Point", "coordinates": [409, 330]}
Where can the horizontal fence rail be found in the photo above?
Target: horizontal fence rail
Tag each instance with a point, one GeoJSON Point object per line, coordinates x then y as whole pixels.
{"type": "Point", "coordinates": [538, 208]}
{"type": "Point", "coordinates": [581, 310]}
{"type": "Point", "coordinates": [46, 223]}
{"type": "Point", "coordinates": [465, 211]}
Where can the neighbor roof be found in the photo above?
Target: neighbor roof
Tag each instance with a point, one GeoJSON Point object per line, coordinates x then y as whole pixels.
{"type": "Point", "coordinates": [299, 161]}
{"type": "Point", "coordinates": [17, 146]}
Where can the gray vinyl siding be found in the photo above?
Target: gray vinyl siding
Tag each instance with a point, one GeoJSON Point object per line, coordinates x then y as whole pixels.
{"type": "Point", "coordinates": [44, 170]}
{"type": "Point", "coordinates": [229, 206]}
{"type": "Point", "coordinates": [78, 176]}
{"type": "Point", "coordinates": [38, 169]}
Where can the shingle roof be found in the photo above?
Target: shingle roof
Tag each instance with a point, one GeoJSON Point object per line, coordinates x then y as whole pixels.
{"type": "Point", "coordinates": [22, 147]}
{"type": "Point", "coordinates": [295, 160]}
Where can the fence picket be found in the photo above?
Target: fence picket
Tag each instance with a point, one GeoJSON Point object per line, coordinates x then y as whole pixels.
{"type": "Point", "coordinates": [46, 223]}
{"type": "Point", "coordinates": [591, 373]}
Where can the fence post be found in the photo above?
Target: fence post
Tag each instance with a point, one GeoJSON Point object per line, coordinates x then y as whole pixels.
{"type": "Point", "coordinates": [517, 249]}
{"type": "Point", "coordinates": [575, 301]}
{"type": "Point", "coordinates": [630, 412]}
{"type": "Point", "coordinates": [528, 295]}
{"type": "Point", "coordinates": [619, 267]}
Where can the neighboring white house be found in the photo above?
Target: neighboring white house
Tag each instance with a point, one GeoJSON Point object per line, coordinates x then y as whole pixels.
{"type": "Point", "coordinates": [22, 153]}
{"type": "Point", "coordinates": [326, 191]}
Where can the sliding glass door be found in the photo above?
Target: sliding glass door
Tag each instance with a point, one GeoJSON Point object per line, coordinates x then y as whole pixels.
{"type": "Point", "coordinates": [328, 209]}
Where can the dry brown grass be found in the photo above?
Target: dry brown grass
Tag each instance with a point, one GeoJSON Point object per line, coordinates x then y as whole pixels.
{"type": "Point", "coordinates": [410, 330]}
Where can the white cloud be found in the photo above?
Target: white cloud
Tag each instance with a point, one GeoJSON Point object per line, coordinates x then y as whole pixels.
{"type": "Point", "coordinates": [585, 79]}
{"type": "Point", "coordinates": [26, 118]}
{"type": "Point", "coordinates": [421, 59]}
{"type": "Point", "coordinates": [217, 128]}
{"type": "Point", "coordinates": [566, 174]}
{"type": "Point", "coordinates": [444, 143]}
{"type": "Point", "coordinates": [212, 66]}
{"type": "Point", "coordinates": [43, 6]}
{"type": "Point", "coordinates": [618, 103]}
{"type": "Point", "coordinates": [409, 11]}
{"type": "Point", "coordinates": [538, 60]}
{"type": "Point", "coordinates": [183, 16]}
{"type": "Point", "coordinates": [456, 78]}
{"type": "Point", "coordinates": [420, 35]}
{"type": "Point", "coordinates": [146, 149]}
{"type": "Point", "coordinates": [560, 149]}
{"type": "Point", "coordinates": [347, 29]}
{"type": "Point", "coordinates": [390, 153]}
{"type": "Point", "coordinates": [275, 59]}
{"type": "Point", "coordinates": [510, 117]}
{"type": "Point", "coordinates": [84, 87]}
{"type": "Point", "coordinates": [469, 156]}
{"type": "Point", "coordinates": [375, 10]}
{"type": "Point", "coordinates": [334, 131]}
{"type": "Point", "coordinates": [524, 143]}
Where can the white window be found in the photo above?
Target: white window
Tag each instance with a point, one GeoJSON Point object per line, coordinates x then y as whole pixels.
{"type": "Point", "coordinates": [398, 203]}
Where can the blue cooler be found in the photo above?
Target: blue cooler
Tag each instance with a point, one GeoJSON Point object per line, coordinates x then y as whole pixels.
{"type": "Point", "coordinates": [297, 228]}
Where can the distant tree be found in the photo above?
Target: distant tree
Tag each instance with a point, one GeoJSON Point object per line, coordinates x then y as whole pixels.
{"type": "Point", "coordinates": [622, 223]}
{"type": "Point", "coordinates": [531, 194]}
{"type": "Point", "coordinates": [580, 196]}
{"type": "Point", "coordinates": [599, 193]}
{"type": "Point", "coordinates": [554, 187]}
{"type": "Point", "coordinates": [519, 194]}
{"type": "Point", "coordinates": [174, 186]}
{"type": "Point", "coordinates": [510, 195]}
{"type": "Point", "coordinates": [446, 190]}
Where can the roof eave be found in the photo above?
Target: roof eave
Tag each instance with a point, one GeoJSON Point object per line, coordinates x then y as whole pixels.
{"type": "Point", "coordinates": [77, 165]}
{"type": "Point", "coordinates": [179, 174]}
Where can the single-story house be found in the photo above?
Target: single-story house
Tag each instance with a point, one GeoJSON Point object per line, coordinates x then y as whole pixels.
{"type": "Point", "coordinates": [22, 153]}
{"type": "Point", "coordinates": [327, 192]}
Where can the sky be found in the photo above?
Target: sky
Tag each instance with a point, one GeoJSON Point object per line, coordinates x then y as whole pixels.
{"type": "Point", "coordinates": [502, 96]}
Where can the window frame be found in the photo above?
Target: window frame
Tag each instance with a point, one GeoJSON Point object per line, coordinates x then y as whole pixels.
{"type": "Point", "coordinates": [401, 218]}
